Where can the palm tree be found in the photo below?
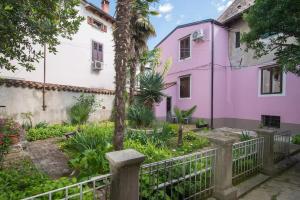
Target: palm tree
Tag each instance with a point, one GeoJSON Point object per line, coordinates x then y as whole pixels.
{"type": "Point", "coordinates": [181, 115]}
{"type": "Point", "coordinates": [142, 30]}
{"type": "Point", "coordinates": [151, 86]}
{"type": "Point", "coordinates": [122, 36]}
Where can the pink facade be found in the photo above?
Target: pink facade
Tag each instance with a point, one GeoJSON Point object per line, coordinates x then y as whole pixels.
{"type": "Point", "coordinates": [237, 99]}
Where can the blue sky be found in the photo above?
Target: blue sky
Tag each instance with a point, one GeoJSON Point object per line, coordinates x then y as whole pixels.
{"type": "Point", "coordinates": [176, 12]}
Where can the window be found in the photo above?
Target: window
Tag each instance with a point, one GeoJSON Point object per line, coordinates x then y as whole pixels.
{"type": "Point", "coordinates": [97, 51]}
{"type": "Point", "coordinates": [271, 81]}
{"type": "Point", "coordinates": [270, 121]}
{"type": "Point", "coordinates": [185, 48]}
{"type": "Point", "coordinates": [237, 39]}
{"type": "Point", "coordinates": [185, 87]}
{"type": "Point", "coordinates": [96, 24]}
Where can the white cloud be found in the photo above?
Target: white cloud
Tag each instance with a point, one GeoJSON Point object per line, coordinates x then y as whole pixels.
{"type": "Point", "coordinates": [179, 19]}
{"type": "Point", "coordinates": [165, 8]}
{"type": "Point", "coordinates": [221, 5]}
{"type": "Point", "coordinates": [168, 17]}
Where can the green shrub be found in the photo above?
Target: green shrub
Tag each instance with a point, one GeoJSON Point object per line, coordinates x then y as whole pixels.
{"type": "Point", "coordinates": [56, 130]}
{"type": "Point", "coordinates": [245, 136]}
{"type": "Point", "coordinates": [296, 139]}
{"type": "Point", "coordinates": [90, 163]}
{"type": "Point", "coordinates": [81, 110]}
{"type": "Point", "coordinates": [88, 147]}
{"type": "Point", "coordinates": [140, 116]}
{"type": "Point", "coordinates": [150, 150]}
{"type": "Point", "coordinates": [200, 122]}
{"type": "Point", "coordinates": [24, 180]}
{"type": "Point", "coordinates": [41, 125]}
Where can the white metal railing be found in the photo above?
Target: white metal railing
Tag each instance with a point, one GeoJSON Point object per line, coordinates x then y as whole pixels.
{"type": "Point", "coordinates": [185, 177]}
{"type": "Point", "coordinates": [95, 188]}
{"type": "Point", "coordinates": [282, 142]}
{"type": "Point", "coordinates": [247, 158]}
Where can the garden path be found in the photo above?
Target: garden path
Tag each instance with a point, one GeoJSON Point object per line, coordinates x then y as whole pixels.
{"type": "Point", "coordinates": [47, 157]}
{"type": "Point", "coordinates": [283, 187]}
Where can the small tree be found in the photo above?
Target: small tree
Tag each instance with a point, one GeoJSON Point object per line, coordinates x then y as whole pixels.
{"type": "Point", "coordinates": [281, 20]}
{"type": "Point", "coordinates": [181, 115]}
{"type": "Point", "coordinates": [81, 110]}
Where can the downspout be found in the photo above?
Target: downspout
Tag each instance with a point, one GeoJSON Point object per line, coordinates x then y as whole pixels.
{"type": "Point", "coordinates": [212, 76]}
{"type": "Point", "coordinates": [44, 81]}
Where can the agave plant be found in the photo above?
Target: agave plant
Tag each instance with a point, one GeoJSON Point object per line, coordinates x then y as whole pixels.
{"type": "Point", "coordinates": [181, 115]}
{"type": "Point", "coordinates": [151, 86]}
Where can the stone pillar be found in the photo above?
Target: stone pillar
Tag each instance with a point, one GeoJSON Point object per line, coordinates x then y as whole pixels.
{"type": "Point", "coordinates": [268, 152]}
{"type": "Point", "coordinates": [124, 167]}
{"type": "Point", "coordinates": [224, 189]}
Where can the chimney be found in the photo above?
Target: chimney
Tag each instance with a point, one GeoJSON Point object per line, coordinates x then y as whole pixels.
{"type": "Point", "coordinates": [105, 6]}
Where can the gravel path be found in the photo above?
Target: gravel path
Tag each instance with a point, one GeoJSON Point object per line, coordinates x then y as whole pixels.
{"type": "Point", "coordinates": [47, 157]}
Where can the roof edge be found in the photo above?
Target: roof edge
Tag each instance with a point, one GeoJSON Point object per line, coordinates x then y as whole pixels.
{"type": "Point", "coordinates": [107, 16]}
{"type": "Point", "coordinates": [187, 25]}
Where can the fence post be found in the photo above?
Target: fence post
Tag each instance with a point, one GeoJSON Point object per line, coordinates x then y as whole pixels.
{"type": "Point", "coordinates": [268, 152]}
{"type": "Point", "coordinates": [124, 167]}
{"type": "Point", "coordinates": [224, 189]}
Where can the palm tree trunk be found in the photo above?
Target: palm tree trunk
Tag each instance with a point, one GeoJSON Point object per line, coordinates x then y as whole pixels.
{"type": "Point", "coordinates": [180, 134]}
{"type": "Point", "coordinates": [122, 49]}
{"type": "Point", "coordinates": [132, 70]}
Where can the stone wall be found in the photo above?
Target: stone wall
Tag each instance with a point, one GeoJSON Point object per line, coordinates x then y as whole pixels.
{"type": "Point", "coordinates": [19, 100]}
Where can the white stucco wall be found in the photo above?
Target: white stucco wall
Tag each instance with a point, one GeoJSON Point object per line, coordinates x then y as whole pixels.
{"type": "Point", "coordinates": [21, 100]}
{"type": "Point", "coordinates": [72, 63]}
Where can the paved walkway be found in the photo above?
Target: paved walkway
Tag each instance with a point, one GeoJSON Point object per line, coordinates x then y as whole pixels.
{"type": "Point", "coordinates": [283, 187]}
{"type": "Point", "coordinates": [46, 156]}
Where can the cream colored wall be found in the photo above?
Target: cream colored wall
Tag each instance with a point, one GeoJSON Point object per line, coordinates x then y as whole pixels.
{"type": "Point", "coordinates": [71, 65]}
{"type": "Point", "coordinates": [21, 100]}
{"type": "Point", "coordinates": [238, 56]}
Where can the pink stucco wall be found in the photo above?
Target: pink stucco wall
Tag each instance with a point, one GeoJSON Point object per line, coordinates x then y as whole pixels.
{"type": "Point", "coordinates": [246, 102]}
{"type": "Point", "coordinates": [236, 91]}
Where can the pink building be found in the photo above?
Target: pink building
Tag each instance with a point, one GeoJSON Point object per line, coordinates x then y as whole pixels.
{"type": "Point", "coordinates": [210, 69]}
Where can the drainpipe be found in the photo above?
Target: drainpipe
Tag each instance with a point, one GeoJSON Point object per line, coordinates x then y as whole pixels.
{"type": "Point", "coordinates": [212, 76]}
{"type": "Point", "coordinates": [44, 82]}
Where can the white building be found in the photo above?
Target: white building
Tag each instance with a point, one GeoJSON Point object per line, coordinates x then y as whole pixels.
{"type": "Point", "coordinates": [83, 64]}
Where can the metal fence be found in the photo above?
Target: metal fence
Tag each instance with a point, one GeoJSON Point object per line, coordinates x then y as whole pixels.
{"type": "Point", "coordinates": [95, 188]}
{"type": "Point", "coordinates": [186, 177]}
{"type": "Point", "coordinates": [247, 159]}
{"type": "Point", "coordinates": [282, 142]}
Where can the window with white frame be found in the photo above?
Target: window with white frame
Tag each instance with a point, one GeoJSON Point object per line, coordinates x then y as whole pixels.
{"type": "Point", "coordinates": [185, 87]}
{"type": "Point", "coordinates": [185, 48]}
{"type": "Point", "coordinates": [271, 80]}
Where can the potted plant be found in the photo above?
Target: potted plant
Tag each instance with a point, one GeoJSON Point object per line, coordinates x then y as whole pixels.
{"type": "Point", "coordinates": [201, 123]}
{"type": "Point", "coordinates": [11, 129]}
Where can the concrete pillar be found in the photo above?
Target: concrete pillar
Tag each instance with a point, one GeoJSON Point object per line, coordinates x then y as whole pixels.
{"type": "Point", "coordinates": [268, 152]}
{"type": "Point", "coordinates": [124, 167]}
{"type": "Point", "coordinates": [224, 189]}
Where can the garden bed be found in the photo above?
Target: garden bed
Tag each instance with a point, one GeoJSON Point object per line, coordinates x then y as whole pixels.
{"type": "Point", "coordinates": [85, 151]}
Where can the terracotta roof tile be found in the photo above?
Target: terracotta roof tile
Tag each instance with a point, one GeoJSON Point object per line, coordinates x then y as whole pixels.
{"type": "Point", "coordinates": [53, 87]}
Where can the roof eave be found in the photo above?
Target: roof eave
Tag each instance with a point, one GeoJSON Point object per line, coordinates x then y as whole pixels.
{"type": "Point", "coordinates": [187, 25]}
{"type": "Point", "coordinates": [101, 13]}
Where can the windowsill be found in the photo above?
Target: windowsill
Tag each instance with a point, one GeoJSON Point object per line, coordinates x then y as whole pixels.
{"type": "Point", "coordinates": [181, 60]}
{"type": "Point", "coordinates": [187, 98]}
{"type": "Point", "coordinates": [272, 95]}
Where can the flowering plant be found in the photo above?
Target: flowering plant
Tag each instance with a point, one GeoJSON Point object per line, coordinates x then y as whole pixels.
{"type": "Point", "coordinates": [9, 127]}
